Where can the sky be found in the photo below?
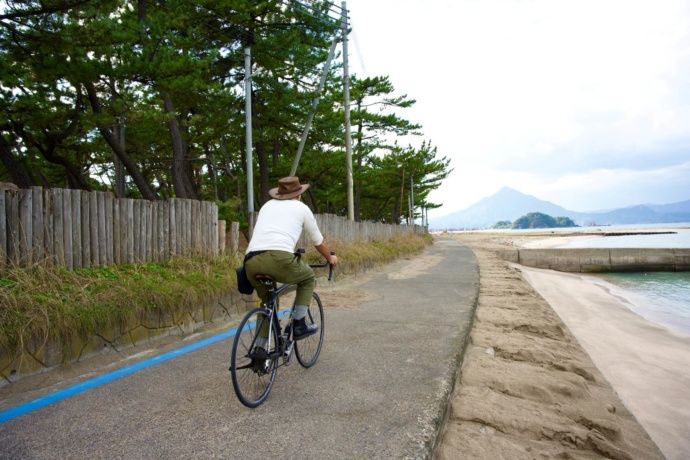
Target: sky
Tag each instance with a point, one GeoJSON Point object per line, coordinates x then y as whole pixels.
{"type": "Point", "coordinates": [582, 103]}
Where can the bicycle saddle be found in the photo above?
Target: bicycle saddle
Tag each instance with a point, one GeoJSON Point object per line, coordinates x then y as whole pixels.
{"type": "Point", "coordinates": [265, 279]}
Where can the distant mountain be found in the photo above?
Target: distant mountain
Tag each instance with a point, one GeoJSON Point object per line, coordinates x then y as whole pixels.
{"type": "Point", "coordinates": [510, 204]}
{"type": "Point", "coordinates": [682, 207]}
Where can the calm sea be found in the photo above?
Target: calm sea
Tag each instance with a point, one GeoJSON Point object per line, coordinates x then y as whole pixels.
{"type": "Point", "coordinates": [660, 297]}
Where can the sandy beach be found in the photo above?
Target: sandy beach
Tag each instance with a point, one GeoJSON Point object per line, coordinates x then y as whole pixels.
{"type": "Point", "coordinates": [560, 368]}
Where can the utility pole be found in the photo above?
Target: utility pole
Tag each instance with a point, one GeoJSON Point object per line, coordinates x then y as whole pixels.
{"type": "Point", "coordinates": [248, 133]}
{"type": "Point", "coordinates": [348, 136]}
{"type": "Point", "coordinates": [412, 198]}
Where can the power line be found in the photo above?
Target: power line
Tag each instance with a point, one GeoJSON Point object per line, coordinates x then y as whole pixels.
{"type": "Point", "coordinates": [360, 57]}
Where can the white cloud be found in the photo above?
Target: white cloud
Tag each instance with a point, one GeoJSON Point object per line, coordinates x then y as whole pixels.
{"type": "Point", "coordinates": [548, 97]}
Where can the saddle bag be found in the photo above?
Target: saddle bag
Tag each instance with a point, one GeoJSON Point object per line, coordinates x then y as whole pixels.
{"type": "Point", "coordinates": [243, 284]}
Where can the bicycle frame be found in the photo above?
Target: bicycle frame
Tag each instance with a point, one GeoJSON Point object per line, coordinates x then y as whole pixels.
{"type": "Point", "coordinates": [273, 307]}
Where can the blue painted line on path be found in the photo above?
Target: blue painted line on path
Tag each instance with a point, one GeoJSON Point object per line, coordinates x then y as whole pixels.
{"type": "Point", "coordinates": [100, 380]}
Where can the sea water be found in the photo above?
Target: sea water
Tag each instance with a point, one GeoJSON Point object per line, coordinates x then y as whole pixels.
{"type": "Point", "coordinates": [660, 297]}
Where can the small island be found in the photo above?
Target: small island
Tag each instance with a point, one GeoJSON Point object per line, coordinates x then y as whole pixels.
{"type": "Point", "coordinates": [536, 220]}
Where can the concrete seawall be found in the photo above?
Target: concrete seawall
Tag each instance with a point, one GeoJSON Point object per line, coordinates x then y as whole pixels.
{"type": "Point", "coordinates": [585, 260]}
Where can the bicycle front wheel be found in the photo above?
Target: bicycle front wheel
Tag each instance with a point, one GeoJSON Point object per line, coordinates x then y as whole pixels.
{"type": "Point", "coordinates": [253, 372]}
{"type": "Point", "coordinates": [308, 349]}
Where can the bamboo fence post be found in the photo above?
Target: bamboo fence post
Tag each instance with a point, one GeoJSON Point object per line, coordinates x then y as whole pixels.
{"type": "Point", "coordinates": [12, 203]}
{"type": "Point", "coordinates": [181, 228]}
{"type": "Point", "coordinates": [117, 231]}
{"type": "Point", "coordinates": [143, 225]}
{"type": "Point", "coordinates": [123, 229]}
{"type": "Point", "coordinates": [165, 220]}
{"type": "Point", "coordinates": [142, 231]}
{"type": "Point", "coordinates": [93, 227]}
{"type": "Point", "coordinates": [109, 229]}
{"type": "Point", "coordinates": [130, 229]}
{"type": "Point", "coordinates": [153, 214]}
{"type": "Point", "coordinates": [202, 228]}
{"type": "Point", "coordinates": [207, 247]}
{"type": "Point", "coordinates": [67, 228]}
{"type": "Point", "coordinates": [172, 226]}
{"type": "Point", "coordinates": [85, 198]}
{"type": "Point", "coordinates": [195, 222]}
{"type": "Point", "coordinates": [161, 231]}
{"type": "Point", "coordinates": [136, 226]}
{"type": "Point", "coordinates": [48, 222]}
{"type": "Point", "coordinates": [215, 231]}
{"type": "Point", "coordinates": [149, 230]}
{"type": "Point", "coordinates": [181, 233]}
{"type": "Point", "coordinates": [188, 226]}
{"type": "Point", "coordinates": [3, 230]}
{"type": "Point", "coordinates": [154, 231]}
{"type": "Point", "coordinates": [199, 226]}
{"type": "Point", "coordinates": [25, 227]}
{"type": "Point", "coordinates": [221, 237]}
{"type": "Point", "coordinates": [75, 217]}
{"type": "Point", "coordinates": [235, 237]}
{"type": "Point", "coordinates": [57, 230]}
{"type": "Point", "coordinates": [38, 240]}
{"type": "Point", "coordinates": [102, 235]}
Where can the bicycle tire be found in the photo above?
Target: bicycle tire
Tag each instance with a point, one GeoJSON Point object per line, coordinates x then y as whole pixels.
{"type": "Point", "coordinates": [252, 378]}
{"type": "Point", "coordinates": [308, 349]}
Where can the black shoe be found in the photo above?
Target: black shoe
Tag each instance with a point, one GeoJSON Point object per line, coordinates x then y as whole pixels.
{"type": "Point", "coordinates": [302, 330]}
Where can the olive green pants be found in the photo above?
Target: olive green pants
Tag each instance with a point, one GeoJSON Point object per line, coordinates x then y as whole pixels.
{"type": "Point", "coordinates": [285, 267]}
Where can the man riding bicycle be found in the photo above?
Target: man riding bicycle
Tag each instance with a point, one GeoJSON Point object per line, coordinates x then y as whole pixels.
{"type": "Point", "coordinates": [271, 250]}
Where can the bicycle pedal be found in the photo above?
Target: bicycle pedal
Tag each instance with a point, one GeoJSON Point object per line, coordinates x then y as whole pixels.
{"type": "Point", "coordinates": [287, 354]}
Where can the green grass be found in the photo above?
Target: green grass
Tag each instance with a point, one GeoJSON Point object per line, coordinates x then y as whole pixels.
{"type": "Point", "coordinates": [50, 303]}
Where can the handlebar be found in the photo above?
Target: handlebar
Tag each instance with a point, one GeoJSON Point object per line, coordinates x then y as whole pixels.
{"type": "Point", "coordinates": [324, 264]}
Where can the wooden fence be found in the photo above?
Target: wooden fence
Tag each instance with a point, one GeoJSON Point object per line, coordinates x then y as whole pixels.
{"type": "Point", "coordinates": [78, 229]}
{"type": "Point", "coordinates": [339, 228]}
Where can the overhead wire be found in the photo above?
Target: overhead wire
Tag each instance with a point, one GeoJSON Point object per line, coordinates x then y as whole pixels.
{"type": "Point", "coordinates": [303, 10]}
{"type": "Point", "coordinates": [332, 7]}
{"type": "Point", "coordinates": [360, 56]}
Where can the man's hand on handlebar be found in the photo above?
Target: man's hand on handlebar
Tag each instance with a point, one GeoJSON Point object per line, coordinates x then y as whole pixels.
{"type": "Point", "coordinates": [324, 251]}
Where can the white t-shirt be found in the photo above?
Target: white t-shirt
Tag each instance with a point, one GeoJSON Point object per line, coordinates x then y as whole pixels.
{"type": "Point", "coordinates": [280, 224]}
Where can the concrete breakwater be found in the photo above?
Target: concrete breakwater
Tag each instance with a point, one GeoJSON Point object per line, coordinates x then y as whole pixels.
{"type": "Point", "coordinates": [598, 260]}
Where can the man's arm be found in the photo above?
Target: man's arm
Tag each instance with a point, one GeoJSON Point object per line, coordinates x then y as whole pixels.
{"type": "Point", "coordinates": [323, 250]}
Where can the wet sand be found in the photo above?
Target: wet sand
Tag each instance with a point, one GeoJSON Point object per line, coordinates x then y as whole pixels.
{"type": "Point", "coordinates": [535, 384]}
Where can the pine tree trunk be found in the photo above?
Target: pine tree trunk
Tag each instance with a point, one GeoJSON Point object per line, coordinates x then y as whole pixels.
{"type": "Point", "coordinates": [146, 191]}
{"type": "Point", "coordinates": [181, 167]}
{"type": "Point", "coordinates": [15, 170]}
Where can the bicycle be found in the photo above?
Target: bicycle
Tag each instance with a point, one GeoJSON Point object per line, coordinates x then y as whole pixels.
{"type": "Point", "coordinates": [253, 368]}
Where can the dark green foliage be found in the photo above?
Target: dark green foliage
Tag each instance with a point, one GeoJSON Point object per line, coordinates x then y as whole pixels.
{"type": "Point", "coordinates": [502, 224]}
{"type": "Point", "coordinates": [76, 76]}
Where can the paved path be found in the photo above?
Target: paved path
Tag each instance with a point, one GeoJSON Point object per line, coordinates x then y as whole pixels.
{"type": "Point", "coordinates": [377, 391]}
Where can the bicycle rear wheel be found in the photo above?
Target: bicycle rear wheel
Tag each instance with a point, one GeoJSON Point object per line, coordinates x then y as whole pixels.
{"type": "Point", "coordinates": [253, 372]}
{"type": "Point", "coordinates": [308, 349]}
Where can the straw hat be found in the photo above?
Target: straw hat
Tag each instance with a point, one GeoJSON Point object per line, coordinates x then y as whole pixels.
{"type": "Point", "coordinates": [288, 187]}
